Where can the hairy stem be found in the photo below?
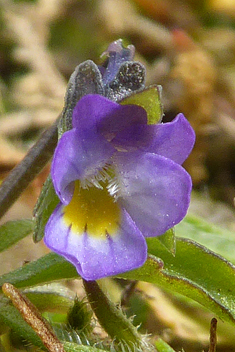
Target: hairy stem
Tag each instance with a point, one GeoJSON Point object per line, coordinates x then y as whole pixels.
{"type": "Point", "coordinates": [111, 318]}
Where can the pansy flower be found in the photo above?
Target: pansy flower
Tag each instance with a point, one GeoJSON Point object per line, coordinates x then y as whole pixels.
{"type": "Point", "coordinates": [119, 180]}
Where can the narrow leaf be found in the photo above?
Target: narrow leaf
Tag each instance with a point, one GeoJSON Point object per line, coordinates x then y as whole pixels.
{"type": "Point", "coordinates": [50, 300]}
{"type": "Point", "coordinates": [195, 272]}
{"type": "Point", "coordinates": [46, 203]}
{"type": "Point", "coordinates": [49, 268]}
{"type": "Point", "coordinates": [217, 239]}
{"type": "Point", "coordinates": [13, 231]}
{"type": "Point", "coordinates": [10, 316]}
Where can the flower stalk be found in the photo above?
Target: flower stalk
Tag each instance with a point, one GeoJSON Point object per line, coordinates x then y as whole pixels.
{"type": "Point", "coordinates": [112, 319]}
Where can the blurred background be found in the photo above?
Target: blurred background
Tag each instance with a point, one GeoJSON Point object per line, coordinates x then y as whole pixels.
{"type": "Point", "coordinates": [187, 46]}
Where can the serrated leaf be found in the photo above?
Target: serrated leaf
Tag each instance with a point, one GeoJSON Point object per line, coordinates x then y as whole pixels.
{"type": "Point", "coordinates": [168, 240]}
{"type": "Point", "coordinates": [217, 239]}
{"type": "Point", "coordinates": [10, 317]}
{"type": "Point", "coordinates": [13, 231]}
{"type": "Point", "coordinates": [46, 204]}
{"type": "Point", "coordinates": [150, 100]}
{"type": "Point", "coordinates": [195, 272]}
{"type": "Point", "coordinates": [49, 268]}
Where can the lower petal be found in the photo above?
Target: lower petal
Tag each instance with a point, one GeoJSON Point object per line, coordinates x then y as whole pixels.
{"type": "Point", "coordinates": [96, 257]}
{"type": "Point", "coordinates": [154, 190]}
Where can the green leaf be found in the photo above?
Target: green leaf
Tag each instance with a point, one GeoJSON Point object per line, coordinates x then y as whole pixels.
{"type": "Point", "coordinates": [13, 231]}
{"type": "Point", "coordinates": [168, 240]}
{"type": "Point", "coordinates": [217, 239]}
{"type": "Point", "coordinates": [49, 268]}
{"type": "Point", "coordinates": [46, 204]}
{"type": "Point", "coordinates": [162, 346]}
{"type": "Point", "coordinates": [150, 100]}
{"type": "Point", "coordinates": [10, 316]}
{"type": "Point", "coordinates": [50, 298]}
{"type": "Point", "coordinates": [195, 272]}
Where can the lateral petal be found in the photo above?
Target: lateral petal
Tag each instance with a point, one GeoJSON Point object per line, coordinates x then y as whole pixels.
{"type": "Point", "coordinates": [173, 140]}
{"type": "Point", "coordinates": [78, 155]}
{"type": "Point", "coordinates": [154, 190]}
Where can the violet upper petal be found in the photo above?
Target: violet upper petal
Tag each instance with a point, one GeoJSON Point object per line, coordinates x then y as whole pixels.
{"type": "Point", "coordinates": [117, 56]}
{"type": "Point", "coordinates": [174, 140]}
{"type": "Point", "coordinates": [96, 111]}
{"type": "Point", "coordinates": [154, 190]}
{"type": "Point", "coordinates": [78, 155]}
{"type": "Point", "coordinates": [91, 109]}
{"type": "Point", "coordinates": [96, 257]}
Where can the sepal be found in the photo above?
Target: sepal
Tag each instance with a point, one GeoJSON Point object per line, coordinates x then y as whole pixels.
{"type": "Point", "coordinates": [150, 100]}
{"type": "Point", "coordinates": [45, 205]}
{"type": "Point", "coordinates": [130, 78]}
{"type": "Point", "coordinates": [86, 79]}
{"type": "Point", "coordinates": [168, 240]}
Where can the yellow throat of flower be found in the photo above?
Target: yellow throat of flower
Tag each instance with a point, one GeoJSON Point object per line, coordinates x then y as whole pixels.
{"type": "Point", "coordinates": [92, 210]}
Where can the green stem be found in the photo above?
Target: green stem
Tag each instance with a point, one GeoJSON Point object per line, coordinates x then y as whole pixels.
{"type": "Point", "coordinates": [111, 318]}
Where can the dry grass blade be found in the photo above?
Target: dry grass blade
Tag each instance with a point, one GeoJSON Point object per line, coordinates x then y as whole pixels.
{"type": "Point", "coordinates": [213, 338]}
{"type": "Point", "coordinates": [33, 317]}
{"type": "Point", "coordinates": [27, 170]}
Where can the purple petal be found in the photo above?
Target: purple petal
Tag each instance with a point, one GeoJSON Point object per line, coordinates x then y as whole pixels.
{"type": "Point", "coordinates": [117, 56]}
{"type": "Point", "coordinates": [136, 137]}
{"type": "Point", "coordinates": [78, 155]}
{"type": "Point", "coordinates": [154, 190]}
{"type": "Point", "coordinates": [96, 257]}
{"type": "Point", "coordinates": [174, 140]}
{"type": "Point", "coordinates": [91, 109]}
{"type": "Point", "coordinates": [107, 116]}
